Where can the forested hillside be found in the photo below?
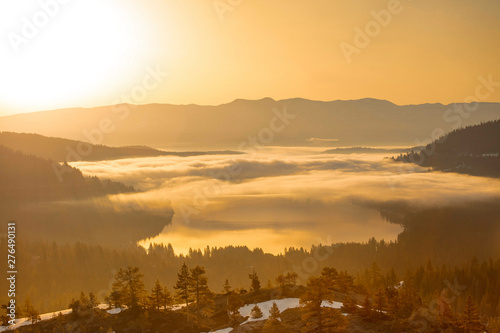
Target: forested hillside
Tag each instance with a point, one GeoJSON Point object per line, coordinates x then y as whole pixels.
{"type": "Point", "coordinates": [426, 299]}
{"type": "Point", "coordinates": [28, 178]}
{"type": "Point", "coordinates": [64, 150]}
{"type": "Point", "coordinates": [55, 202]}
{"type": "Point", "coordinates": [330, 301]}
{"type": "Point", "coordinates": [431, 251]}
{"type": "Point", "coordinates": [471, 150]}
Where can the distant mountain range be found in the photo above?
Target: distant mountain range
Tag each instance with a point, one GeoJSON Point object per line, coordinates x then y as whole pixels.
{"type": "Point", "coordinates": [58, 149]}
{"type": "Point", "coordinates": [243, 123]}
{"type": "Point", "coordinates": [471, 150]}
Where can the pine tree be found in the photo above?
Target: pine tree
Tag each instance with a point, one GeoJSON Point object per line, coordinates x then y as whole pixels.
{"type": "Point", "coordinates": [183, 284]}
{"type": "Point", "coordinates": [367, 308]}
{"type": "Point", "coordinates": [199, 287]}
{"type": "Point", "coordinates": [93, 302]}
{"type": "Point", "coordinates": [345, 282]}
{"type": "Point", "coordinates": [84, 305]}
{"type": "Point", "coordinates": [374, 275]}
{"type": "Point", "coordinates": [256, 312]}
{"type": "Point", "coordinates": [273, 323]}
{"type": "Point", "coordinates": [156, 297]}
{"type": "Point", "coordinates": [391, 278]}
{"type": "Point", "coordinates": [269, 285]}
{"type": "Point", "coordinates": [315, 317]}
{"type": "Point", "coordinates": [330, 275]}
{"type": "Point", "coordinates": [409, 299]}
{"type": "Point", "coordinates": [291, 279]}
{"type": "Point", "coordinates": [114, 299]}
{"type": "Point", "coordinates": [392, 296]}
{"type": "Point", "coordinates": [234, 302]}
{"type": "Point", "coordinates": [255, 282]}
{"type": "Point", "coordinates": [167, 299]}
{"type": "Point", "coordinates": [280, 281]}
{"type": "Point", "coordinates": [274, 313]}
{"type": "Point", "coordinates": [380, 302]}
{"type": "Point", "coordinates": [469, 320]}
{"type": "Point", "coordinates": [446, 317]}
{"type": "Point", "coordinates": [349, 305]}
{"type": "Point", "coordinates": [30, 312]}
{"type": "Point", "coordinates": [74, 305]}
{"type": "Point", "coordinates": [288, 280]}
{"type": "Point", "coordinates": [84, 301]}
{"type": "Point", "coordinates": [311, 301]}
{"type": "Point", "coordinates": [130, 287]}
{"type": "Point", "coordinates": [5, 318]}
{"type": "Point", "coordinates": [226, 288]}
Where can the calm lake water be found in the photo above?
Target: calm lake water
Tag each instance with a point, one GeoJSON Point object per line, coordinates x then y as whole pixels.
{"type": "Point", "coordinates": [279, 197]}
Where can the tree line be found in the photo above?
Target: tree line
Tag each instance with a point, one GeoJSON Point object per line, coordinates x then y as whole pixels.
{"type": "Point", "coordinates": [471, 150]}
{"type": "Point", "coordinates": [398, 307]}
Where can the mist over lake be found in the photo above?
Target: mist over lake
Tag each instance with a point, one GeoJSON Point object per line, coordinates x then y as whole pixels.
{"type": "Point", "coordinates": [279, 197]}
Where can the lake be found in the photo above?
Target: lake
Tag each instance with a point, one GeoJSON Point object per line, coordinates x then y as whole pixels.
{"type": "Point", "coordinates": [279, 197]}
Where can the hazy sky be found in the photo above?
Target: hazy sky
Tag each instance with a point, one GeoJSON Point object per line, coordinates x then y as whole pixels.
{"type": "Point", "coordinates": [92, 52]}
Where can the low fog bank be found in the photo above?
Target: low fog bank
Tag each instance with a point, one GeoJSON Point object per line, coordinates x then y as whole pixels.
{"type": "Point", "coordinates": [278, 197]}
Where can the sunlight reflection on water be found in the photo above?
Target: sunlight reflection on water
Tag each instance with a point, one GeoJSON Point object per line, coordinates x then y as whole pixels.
{"type": "Point", "coordinates": [280, 197]}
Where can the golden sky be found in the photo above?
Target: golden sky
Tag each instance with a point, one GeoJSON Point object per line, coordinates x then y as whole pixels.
{"type": "Point", "coordinates": [68, 53]}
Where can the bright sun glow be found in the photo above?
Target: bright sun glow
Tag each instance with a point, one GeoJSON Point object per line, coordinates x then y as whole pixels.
{"type": "Point", "coordinates": [81, 50]}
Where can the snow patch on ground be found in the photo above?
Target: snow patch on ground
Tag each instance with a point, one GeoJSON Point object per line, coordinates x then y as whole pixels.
{"type": "Point", "coordinates": [283, 304]}
{"type": "Point", "coordinates": [46, 316]}
{"type": "Point", "coordinates": [24, 321]}
{"type": "Point", "coordinates": [224, 330]}
{"type": "Point", "coordinates": [114, 311]}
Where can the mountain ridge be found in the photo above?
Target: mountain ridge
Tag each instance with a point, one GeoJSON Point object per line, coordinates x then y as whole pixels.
{"type": "Point", "coordinates": [363, 122]}
{"type": "Point", "coordinates": [66, 150]}
{"type": "Point", "coordinates": [242, 99]}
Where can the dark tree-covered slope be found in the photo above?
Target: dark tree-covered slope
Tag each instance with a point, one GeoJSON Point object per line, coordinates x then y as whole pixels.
{"type": "Point", "coordinates": [472, 150]}
{"type": "Point", "coordinates": [71, 208]}
{"type": "Point", "coordinates": [30, 178]}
